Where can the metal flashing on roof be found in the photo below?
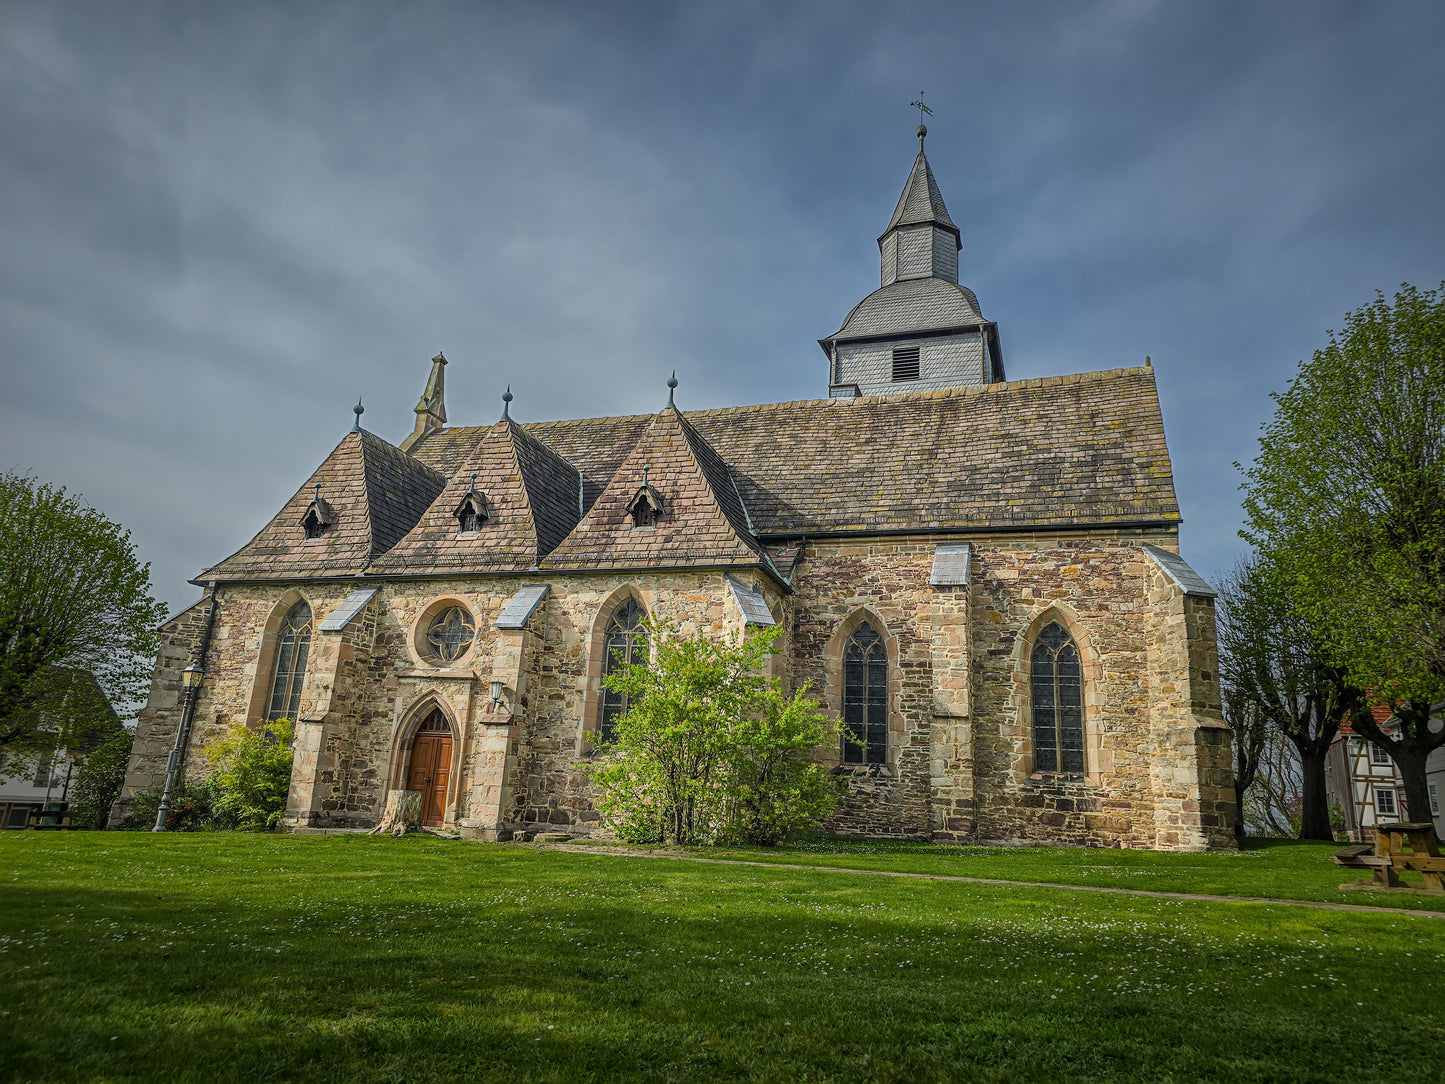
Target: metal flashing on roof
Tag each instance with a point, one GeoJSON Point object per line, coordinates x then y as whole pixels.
{"type": "Point", "coordinates": [516, 613]}
{"type": "Point", "coordinates": [1175, 567]}
{"type": "Point", "coordinates": [350, 606]}
{"type": "Point", "coordinates": [751, 603]}
{"type": "Point", "coordinates": [950, 565]}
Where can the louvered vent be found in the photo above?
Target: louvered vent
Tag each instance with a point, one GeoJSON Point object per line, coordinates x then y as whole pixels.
{"type": "Point", "coordinates": [905, 363]}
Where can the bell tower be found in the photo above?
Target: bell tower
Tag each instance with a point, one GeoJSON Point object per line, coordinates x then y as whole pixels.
{"type": "Point", "coordinates": [920, 330]}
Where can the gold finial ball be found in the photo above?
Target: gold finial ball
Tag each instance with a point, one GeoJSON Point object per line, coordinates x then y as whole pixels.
{"type": "Point", "coordinates": [922, 130]}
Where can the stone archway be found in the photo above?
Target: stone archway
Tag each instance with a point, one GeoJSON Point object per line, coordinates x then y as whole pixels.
{"type": "Point", "coordinates": [429, 766]}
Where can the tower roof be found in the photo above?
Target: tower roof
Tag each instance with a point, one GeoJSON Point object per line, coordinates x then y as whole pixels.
{"type": "Point", "coordinates": [921, 201]}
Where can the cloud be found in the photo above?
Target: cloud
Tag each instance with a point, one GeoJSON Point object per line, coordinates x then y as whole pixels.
{"type": "Point", "coordinates": [227, 222]}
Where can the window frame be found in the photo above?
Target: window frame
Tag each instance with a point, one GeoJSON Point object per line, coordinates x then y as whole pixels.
{"type": "Point", "coordinates": [1380, 810]}
{"type": "Point", "coordinates": [870, 695]}
{"type": "Point", "coordinates": [1059, 762]}
{"type": "Point", "coordinates": [289, 634]}
{"type": "Point", "coordinates": [611, 706]}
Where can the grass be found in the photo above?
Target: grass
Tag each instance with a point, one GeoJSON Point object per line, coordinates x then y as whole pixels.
{"type": "Point", "coordinates": [1275, 868]}
{"type": "Point", "coordinates": [233, 957]}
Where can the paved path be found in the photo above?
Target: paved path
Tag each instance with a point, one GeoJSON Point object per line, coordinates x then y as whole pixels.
{"type": "Point", "coordinates": [617, 852]}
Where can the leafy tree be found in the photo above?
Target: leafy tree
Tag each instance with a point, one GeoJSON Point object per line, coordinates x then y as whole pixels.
{"type": "Point", "coordinates": [252, 774]}
{"type": "Point", "coordinates": [102, 773]}
{"type": "Point", "coordinates": [73, 600]}
{"type": "Point", "coordinates": [711, 748]}
{"type": "Point", "coordinates": [1272, 668]}
{"type": "Point", "coordinates": [1347, 499]}
{"type": "Point", "coordinates": [772, 783]}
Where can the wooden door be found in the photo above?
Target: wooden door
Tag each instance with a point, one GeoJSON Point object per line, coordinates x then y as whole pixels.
{"type": "Point", "coordinates": [431, 767]}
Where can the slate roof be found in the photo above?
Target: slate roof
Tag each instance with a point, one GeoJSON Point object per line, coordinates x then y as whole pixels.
{"type": "Point", "coordinates": [921, 200]}
{"type": "Point", "coordinates": [378, 493]}
{"type": "Point", "coordinates": [531, 498]}
{"type": "Point", "coordinates": [909, 305]}
{"type": "Point", "coordinates": [742, 484]}
{"type": "Point", "coordinates": [1087, 448]}
{"type": "Point", "coordinates": [704, 522]}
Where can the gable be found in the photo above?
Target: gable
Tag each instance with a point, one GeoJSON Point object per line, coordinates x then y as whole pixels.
{"type": "Point", "coordinates": [702, 524]}
{"type": "Point", "coordinates": [375, 492]}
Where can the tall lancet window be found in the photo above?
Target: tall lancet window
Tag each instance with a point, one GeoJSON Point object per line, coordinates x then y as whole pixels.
{"type": "Point", "coordinates": [865, 698]}
{"type": "Point", "coordinates": [293, 644]}
{"type": "Point", "coordinates": [1057, 683]}
{"type": "Point", "coordinates": [625, 642]}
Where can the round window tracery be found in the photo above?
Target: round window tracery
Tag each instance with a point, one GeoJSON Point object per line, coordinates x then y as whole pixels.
{"type": "Point", "coordinates": [450, 634]}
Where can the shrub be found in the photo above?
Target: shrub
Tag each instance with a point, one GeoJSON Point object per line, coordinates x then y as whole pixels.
{"type": "Point", "coordinates": [252, 774]}
{"type": "Point", "coordinates": [711, 749]}
{"type": "Point", "coordinates": [192, 808]}
{"type": "Point", "coordinates": [98, 783]}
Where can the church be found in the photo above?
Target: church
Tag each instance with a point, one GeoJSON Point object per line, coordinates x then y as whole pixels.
{"type": "Point", "coordinates": [979, 576]}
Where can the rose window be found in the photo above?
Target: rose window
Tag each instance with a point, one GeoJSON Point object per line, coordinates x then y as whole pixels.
{"type": "Point", "coordinates": [450, 634]}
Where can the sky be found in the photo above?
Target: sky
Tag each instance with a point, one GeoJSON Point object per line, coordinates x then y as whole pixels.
{"type": "Point", "coordinates": [222, 224]}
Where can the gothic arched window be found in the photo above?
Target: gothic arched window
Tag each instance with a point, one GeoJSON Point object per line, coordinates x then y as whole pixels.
{"type": "Point", "coordinates": [1057, 684]}
{"type": "Point", "coordinates": [865, 697]}
{"type": "Point", "coordinates": [293, 643]}
{"type": "Point", "coordinates": [625, 641]}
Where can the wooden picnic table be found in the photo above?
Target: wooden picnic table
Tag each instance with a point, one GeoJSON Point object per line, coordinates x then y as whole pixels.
{"type": "Point", "coordinates": [1389, 856]}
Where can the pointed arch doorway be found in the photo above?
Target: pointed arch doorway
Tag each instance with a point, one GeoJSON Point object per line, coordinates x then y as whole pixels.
{"type": "Point", "coordinates": [431, 766]}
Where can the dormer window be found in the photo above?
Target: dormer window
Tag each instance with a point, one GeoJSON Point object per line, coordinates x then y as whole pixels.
{"type": "Point", "coordinates": [646, 507]}
{"type": "Point", "coordinates": [319, 516]}
{"type": "Point", "coordinates": [472, 512]}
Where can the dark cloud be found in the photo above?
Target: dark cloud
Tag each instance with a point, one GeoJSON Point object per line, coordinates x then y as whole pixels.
{"type": "Point", "coordinates": [223, 223]}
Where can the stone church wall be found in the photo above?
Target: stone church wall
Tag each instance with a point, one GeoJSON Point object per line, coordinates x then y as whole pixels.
{"type": "Point", "coordinates": [960, 758]}
{"type": "Point", "coordinates": [960, 763]}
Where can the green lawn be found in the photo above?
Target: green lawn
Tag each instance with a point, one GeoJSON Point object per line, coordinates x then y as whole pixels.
{"type": "Point", "coordinates": [233, 957]}
{"type": "Point", "coordinates": [1276, 868]}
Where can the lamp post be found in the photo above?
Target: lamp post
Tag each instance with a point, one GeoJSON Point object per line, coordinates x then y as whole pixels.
{"type": "Point", "coordinates": [191, 682]}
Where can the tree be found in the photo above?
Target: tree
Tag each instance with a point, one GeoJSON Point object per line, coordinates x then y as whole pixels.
{"type": "Point", "coordinates": [252, 774]}
{"type": "Point", "coordinates": [73, 600]}
{"type": "Point", "coordinates": [1273, 669]}
{"type": "Point", "coordinates": [1250, 735]}
{"type": "Point", "coordinates": [711, 748]}
{"type": "Point", "coordinates": [102, 774]}
{"type": "Point", "coordinates": [1347, 499]}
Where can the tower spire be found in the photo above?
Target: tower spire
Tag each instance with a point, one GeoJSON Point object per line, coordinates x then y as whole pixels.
{"type": "Point", "coordinates": [431, 409]}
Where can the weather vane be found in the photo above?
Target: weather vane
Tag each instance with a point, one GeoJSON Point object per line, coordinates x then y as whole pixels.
{"type": "Point", "coordinates": [922, 109]}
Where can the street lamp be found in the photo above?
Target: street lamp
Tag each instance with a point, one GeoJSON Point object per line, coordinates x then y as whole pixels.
{"type": "Point", "coordinates": [496, 694]}
{"type": "Point", "coordinates": [191, 682]}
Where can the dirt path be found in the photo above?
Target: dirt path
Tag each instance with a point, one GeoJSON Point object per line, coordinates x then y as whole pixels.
{"type": "Point", "coordinates": [677, 856]}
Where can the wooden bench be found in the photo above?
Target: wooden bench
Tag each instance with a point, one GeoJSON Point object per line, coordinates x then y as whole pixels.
{"type": "Point", "coordinates": [1389, 857]}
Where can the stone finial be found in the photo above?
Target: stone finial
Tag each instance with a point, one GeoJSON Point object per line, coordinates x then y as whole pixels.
{"type": "Point", "coordinates": [431, 410]}
{"type": "Point", "coordinates": [507, 404]}
{"type": "Point", "coordinates": [358, 410]}
{"type": "Point", "coordinates": [671, 387]}
{"type": "Point", "coordinates": [1148, 364]}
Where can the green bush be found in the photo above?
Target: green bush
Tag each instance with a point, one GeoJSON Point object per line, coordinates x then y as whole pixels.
{"type": "Point", "coordinates": [252, 774]}
{"type": "Point", "coordinates": [98, 783]}
{"type": "Point", "coordinates": [711, 748]}
{"type": "Point", "coordinates": [192, 808]}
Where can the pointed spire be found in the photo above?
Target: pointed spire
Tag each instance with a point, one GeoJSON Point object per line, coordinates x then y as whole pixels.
{"type": "Point", "coordinates": [507, 404]}
{"type": "Point", "coordinates": [919, 216]}
{"type": "Point", "coordinates": [671, 387]}
{"type": "Point", "coordinates": [431, 409]}
{"type": "Point", "coordinates": [358, 410]}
